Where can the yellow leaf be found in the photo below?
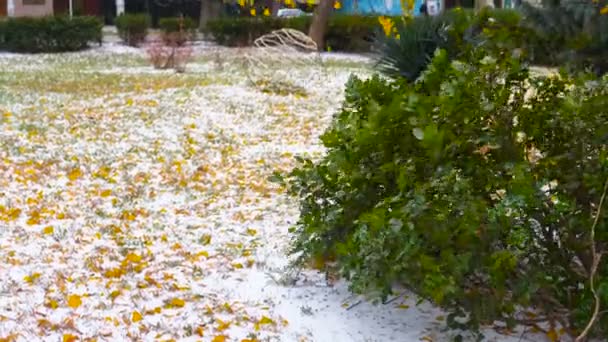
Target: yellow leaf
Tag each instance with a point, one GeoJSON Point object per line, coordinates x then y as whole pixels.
{"type": "Point", "coordinates": [263, 321]}
{"type": "Point", "coordinates": [200, 331]}
{"type": "Point", "coordinates": [34, 218]}
{"type": "Point", "coordinates": [237, 265]}
{"type": "Point", "coordinates": [105, 193]}
{"type": "Point", "coordinates": [48, 230]}
{"type": "Point", "coordinates": [552, 335]}
{"type": "Point", "coordinates": [128, 215]}
{"type": "Point", "coordinates": [604, 10]}
{"type": "Point", "coordinates": [219, 338]}
{"type": "Point", "coordinates": [205, 239]}
{"type": "Point", "coordinates": [440, 318]}
{"type": "Point", "coordinates": [114, 294]}
{"type": "Point", "coordinates": [31, 278]}
{"type": "Point", "coordinates": [52, 304]}
{"type": "Point", "coordinates": [136, 317]}
{"type": "Point", "coordinates": [69, 338]}
{"type": "Point", "coordinates": [129, 102]}
{"type": "Point", "coordinates": [177, 302]}
{"type": "Point", "coordinates": [266, 320]}
{"type": "Point", "coordinates": [74, 301]}
{"type": "Point", "coordinates": [251, 231]}
{"type": "Point", "coordinates": [132, 257]}
{"type": "Point", "coordinates": [403, 306]}
{"type": "Point", "coordinates": [221, 325]}
{"type": "Point", "coordinates": [74, 174]}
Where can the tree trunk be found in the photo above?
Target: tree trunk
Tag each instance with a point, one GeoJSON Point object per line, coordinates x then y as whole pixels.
{"type": "Point", "coordinates": [210, 9]}
{"type": "Point", "coordinates": [319, 23]}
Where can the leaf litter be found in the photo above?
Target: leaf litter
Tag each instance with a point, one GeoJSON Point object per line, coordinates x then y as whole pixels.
{"type": "Point", "coordinates": [138, 207]}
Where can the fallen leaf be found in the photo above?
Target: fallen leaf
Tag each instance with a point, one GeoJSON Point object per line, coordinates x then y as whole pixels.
{"type": "Point", "coordinates": [74, 301]}
{"type": "Point", "coordinates": [177, 302]}
{"type": "Point", "coordinates": [69, 338]}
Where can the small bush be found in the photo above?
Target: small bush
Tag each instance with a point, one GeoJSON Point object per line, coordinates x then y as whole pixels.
{"type": "Point", "coordinates": [406, 48]}
{"type": "Point", "coordinates": [570, 33]}
{"type": "Point", "coordinates": [344, 33]}
{"type": "Point", "coordinates": [242, 31]}
{"type": "Point", "coordinates": [171, 32]}
{"type": "Point", "coordinates": [49, 34]}
{"type": "Point", "coordinates": [351, 33]}
{"type": "Point", "coordinates": [132, 28]}
{"type": "Point", "coordinates": [469, 188]}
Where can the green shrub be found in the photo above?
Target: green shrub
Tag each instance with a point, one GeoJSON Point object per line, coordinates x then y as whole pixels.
{"type": "Point", "coordinates": [351, 33]}
{"type": "Point", "coordinates": [502, 31]}
{"type": "Point", "coordinates": [407, 52]}
{"type": "Point", "coordinates": [242, 31]}
{"type": "Point", "coordinates": [132, 28]}
{"type": "Point", "coordinates": [169, 25]}
{"type": "Point", "coordinates": [49, 34]}
{"type": "Point", "coordinates": [344, 33]}
{"type": "Point", "coordinates": [171, 33]}
{"type": "Point", "coordinates": [470, 190]}
{"type": "Point", "coordinates": [571, 33]}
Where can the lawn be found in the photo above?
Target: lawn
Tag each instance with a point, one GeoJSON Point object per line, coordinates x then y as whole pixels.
{"type": "Point", "coordinates": [135, 205]}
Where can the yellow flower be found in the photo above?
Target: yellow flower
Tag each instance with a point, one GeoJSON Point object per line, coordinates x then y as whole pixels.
{"type": "Point", "coordinates": [266, 12]}
{"type": "Point", "coordinates": [337, 5]}
{"type": "Point", "coordinates": [604, 10]}
{"type": "Point", "coordinates": [387, 25]}
{"type": "Point", "coordinates": [252, 11]}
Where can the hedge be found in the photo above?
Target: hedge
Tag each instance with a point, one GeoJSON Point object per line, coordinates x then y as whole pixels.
{"type": "Point", "coordinates": [49, 34]}
{"type": "Point", "coordinates": [132, 28]}
{"type": "Point", "coordinates": [170, 28]}
{"type": "Point", "coordinates": [345, 33]}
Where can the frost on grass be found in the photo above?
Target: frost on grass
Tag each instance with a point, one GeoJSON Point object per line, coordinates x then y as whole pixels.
{"type": "Point", "coordinates": [135, 204]}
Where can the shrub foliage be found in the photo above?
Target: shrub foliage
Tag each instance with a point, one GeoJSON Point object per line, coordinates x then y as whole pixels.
{"type": "Point", "coordinates": [132, 28]}
{"type": "Point", "coordinates": [477, 186]}
{"type": "Point", "coordinates": [173, 34]}
{"type": "Point", "coordinates": [49, 34]}
{"type": "Point", "coordinates": [344, 33]}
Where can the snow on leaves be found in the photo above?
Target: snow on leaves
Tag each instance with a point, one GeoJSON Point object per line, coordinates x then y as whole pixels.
{"type": "Point", "coordinates": [129, 197]}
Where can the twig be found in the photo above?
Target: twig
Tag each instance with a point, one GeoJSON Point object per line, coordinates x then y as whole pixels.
{"type": "Point", "coordinates": [394, 298]}
{"type": "Point", "coordinates": [597, 257]}
{"type": "Point", "coordinates": [353, 305]}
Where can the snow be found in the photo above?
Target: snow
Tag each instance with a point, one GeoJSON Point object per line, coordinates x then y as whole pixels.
{"type": "Point", "coordinates": [155, 186]}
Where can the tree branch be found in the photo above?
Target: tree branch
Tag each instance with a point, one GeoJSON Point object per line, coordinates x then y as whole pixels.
{"type": "Point", "coordinates": [597, 257]}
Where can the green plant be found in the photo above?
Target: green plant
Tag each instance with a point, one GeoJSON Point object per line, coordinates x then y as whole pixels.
{"type": "Point", "coordinates": [407, 52]}
{"type": "Point", "coordinates": [49, 34]}
{"type": "Point", "coordinates": [242, 31]}
{"type": "Point", "coordinates": [132, 28]}
{"type": "Point", "coordinates": [351, 33]}
{"type": "Point", "coordinates": [470, 188]}
{"type": "Point", "coordinates": [574, 33]}
{"type": "Point", "coordinates": [501, 31]}
{"type": "Point", "coordinates": [345, 33]}
{"type": "Point", "coordinates": [173, 34]}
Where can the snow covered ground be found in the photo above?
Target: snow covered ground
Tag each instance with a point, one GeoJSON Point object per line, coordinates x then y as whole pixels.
{"type": "Point", "coordinates": [135, 205]}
